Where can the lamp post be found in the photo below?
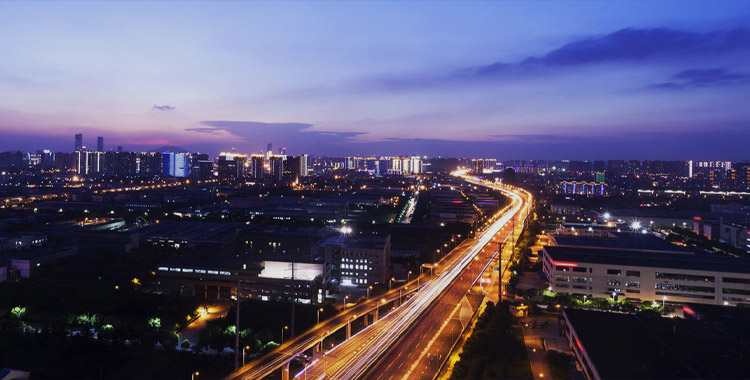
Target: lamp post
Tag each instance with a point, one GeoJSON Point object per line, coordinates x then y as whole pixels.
{"type": "Point", "coordinates": [243, 354]}
{"type": "Point", "coordinates": [319, 310]}
{"type": "Point", "coordinates": [194, 375]}
{"type": "Point", "coordinates": [346, 297]}
{"type": "Point", "coordinates": [282, 333]}
{"type": "Point", "coordinates": [390, 283]}
{"type": "Point", "coordinates": [368, 291]}
{"type": "Point", "coordinates": [399, 294]}
{"type": "Point", "coordinates": [408, 276]}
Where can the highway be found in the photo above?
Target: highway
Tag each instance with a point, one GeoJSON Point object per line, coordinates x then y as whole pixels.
{"type": "Point", "coordinates": [412, 341]}
{"type": "Point", "coordinates": [372, 347]}
{"type": "Point", "coordinates": [421, 353]}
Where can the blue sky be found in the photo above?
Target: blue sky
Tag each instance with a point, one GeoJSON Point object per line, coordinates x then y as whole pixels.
{"type": "Point", "coordinates": [578, 80]}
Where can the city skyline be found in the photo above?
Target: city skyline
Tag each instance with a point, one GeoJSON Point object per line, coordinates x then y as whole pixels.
{"type": "Point", "coordinates": [506, 80]}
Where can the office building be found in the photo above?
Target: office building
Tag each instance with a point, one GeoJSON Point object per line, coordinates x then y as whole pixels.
{"type": "Point", "coordinates": [360, 260]}
{"type": "Point", "coordinates": [100, 144]}
{"type": "Point", "coordinates": [644, 270]}
{"type": "Point", "coordinates": [217, 278]}
{"type": "Point", "coordinates": [78, 142]}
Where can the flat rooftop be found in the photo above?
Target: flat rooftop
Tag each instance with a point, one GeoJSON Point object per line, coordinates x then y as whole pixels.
{"type": "Point", "coordinates": [627, 346]}
{"type": "Point", "coordinates": [621, 240]}
{"type": "Point", "coordinates": [651, 259]}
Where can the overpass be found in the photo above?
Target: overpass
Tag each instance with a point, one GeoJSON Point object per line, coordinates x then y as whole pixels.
{"type": "Point", "coordinates": [361, 353]}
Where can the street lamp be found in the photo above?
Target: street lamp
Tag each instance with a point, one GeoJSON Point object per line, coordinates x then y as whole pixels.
{"type": "Point", "coordinates": [390, 283]}
{"type": "Point", "coordinates": [319, 310]}
{"type": "Point", "coordinates": [282, 333]}
{"type": "Point", "coordinates": [243, 354]}
{"type": "Point", "coordinates": [346, 297]}
{"type": "Point", "coordinates": [194, 375]}
{"type": "Point", "coordinates": [399, 294]}
{"type": "Point", "coordinates": [368, 291]}
{"type": "Point", "coordinates": [408, 276]}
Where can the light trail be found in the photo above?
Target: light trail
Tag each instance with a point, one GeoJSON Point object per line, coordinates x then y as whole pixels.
{"type": "Point", "coordinates": [391, 329]}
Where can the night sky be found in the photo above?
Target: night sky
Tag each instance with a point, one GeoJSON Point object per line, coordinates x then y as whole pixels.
{"type": "Point", "coordinates": [562, 80]}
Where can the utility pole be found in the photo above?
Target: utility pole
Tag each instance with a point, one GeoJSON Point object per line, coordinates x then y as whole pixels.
{"type": "Point", "coordinates": [237, 331]}
{"type": "Point", "coordinates": [294, 300]}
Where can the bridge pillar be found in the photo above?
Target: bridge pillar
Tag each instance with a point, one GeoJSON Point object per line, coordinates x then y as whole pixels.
{"type": "Point", "coordinates": [374, 314]}
{"type": "Point", "coordinates": [348, 330]}
{"type": "Point", "coordinates": [285, 371]}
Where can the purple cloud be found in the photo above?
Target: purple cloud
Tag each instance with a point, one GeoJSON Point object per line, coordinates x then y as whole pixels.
{"type": "Point", "coordinates": [703, 78]}
{"type": "Point", "coordinates": [296, 136]}
{"type": "Point", "coordinates": [164, 108]}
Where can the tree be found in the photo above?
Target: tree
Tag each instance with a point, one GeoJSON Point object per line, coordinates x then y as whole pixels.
{"type": "Point", "coordinates": [18, 312]}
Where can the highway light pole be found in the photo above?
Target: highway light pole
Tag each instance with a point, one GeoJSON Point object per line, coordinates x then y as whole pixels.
{"type": "Point", "coordinates": [237, 331]}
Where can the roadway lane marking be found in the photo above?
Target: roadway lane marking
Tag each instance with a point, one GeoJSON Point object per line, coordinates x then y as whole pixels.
{"type": "Point", "coordinates": [434, 338]}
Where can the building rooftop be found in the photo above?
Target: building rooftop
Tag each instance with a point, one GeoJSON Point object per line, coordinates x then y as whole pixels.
{"type": "Point", "coordinates": [622, 240]}
{"type": "Point", "coordinates": [653, 259]}
{"type": "Point", "coordinates": [627, 346]}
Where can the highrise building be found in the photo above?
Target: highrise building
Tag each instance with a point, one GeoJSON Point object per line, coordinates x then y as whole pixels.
{"type": "Point", "coordinates": [100, 144]}
{"type": "Point", "coordinates": [175, 164]}
{"type": "Point", "coordinates": [149, 164]}
{"type": "Point", "coordinates": [89, 163]}
{"type": "Point", "coordinates": [277, 167]}
{"type": "Point", "coordinates": [79, 142]}
{"type": "Point", "coordinates": [231, 166]}
{"type": "Point", "coordinates": [416, 165]}
{"type": "Point", "coordinates": [600, 177]}
{"type": "Point", "coordinates": [295, 168]}
{"type": "Point", "coordinates": [257, 168]}
{"type": "Point", "coordinates": [121, 164]}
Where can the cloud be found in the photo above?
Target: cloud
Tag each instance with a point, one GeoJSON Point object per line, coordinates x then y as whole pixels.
{"type": "Point", "coordinates": [702, 78]}
{"type": "Point", "coordinates": [164, 108]}
{"type": "Point", "coordinates": [631, 45]}
{"type": "Point", "coordinates": [297, 137]}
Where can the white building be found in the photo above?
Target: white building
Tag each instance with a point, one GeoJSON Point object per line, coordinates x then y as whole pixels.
{"type": "Point", "coordinates": [643, 271]}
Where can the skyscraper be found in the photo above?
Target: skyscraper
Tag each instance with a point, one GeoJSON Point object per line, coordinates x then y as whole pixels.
{"type": "Point", "coordinates": [79, 142]}
{"type": "Point", "coordinates": [100, 144]}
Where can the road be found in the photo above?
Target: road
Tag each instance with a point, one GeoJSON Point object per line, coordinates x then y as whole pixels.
{"type": "Point", "coordinates": [270, 362]}
{"type": "Point", "coordinates": [422, 351]}
{"type": "Point", "coordinates": [412, 341]}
